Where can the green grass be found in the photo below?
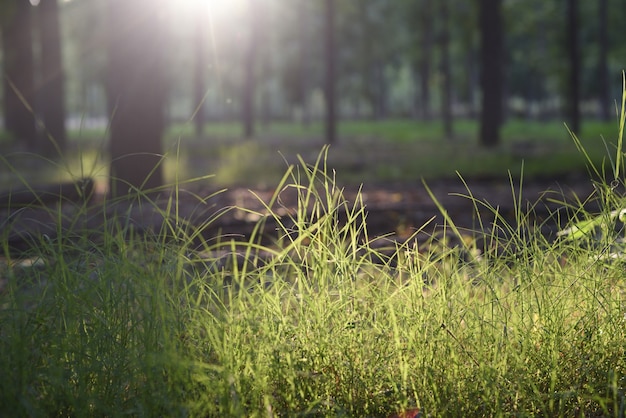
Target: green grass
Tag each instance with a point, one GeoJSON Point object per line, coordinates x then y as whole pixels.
{"type": "Point", "coordinates": [396, 130]}
{"type": "Point", "coordinates": [400, 151]}
{"type": "Point", "coordinates": [319, 323]}
{"type": "Point", "coordinates": [388, 151]}
{"type": "Point", "coordinates": [323, 321]}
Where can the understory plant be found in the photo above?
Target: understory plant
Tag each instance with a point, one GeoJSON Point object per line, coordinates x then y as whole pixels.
{"type": "Point", "coordinates": [320, 319]}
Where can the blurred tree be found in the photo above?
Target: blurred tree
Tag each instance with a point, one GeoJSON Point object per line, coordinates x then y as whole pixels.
{"type": "Point", "coordinates": [603, 70]}
{"type": "Point", "coordinates": [573, 52]}
{"type": "Point", "coordinates": [376, 52]}
{"type": "Point", "coordinates": [267, 71]}
{"type": "Point", "coordinates": [249, 68]}
{"type": "Point", "coordinates": [298, 68]}
{"type": "Point", "coordinates": [421, 12]}
{"type": "Point", "coordinates": [330, 56]}
{"type": "Point", "coordinates": [491, 78]}
{"type": "Point", "coordinates": [136, 93]}
{"type": "Point", "coordinates": [443, 52]}
{"type": "Point", "coordinates": [465, 44]}
{"type": "Point", "coordinates": [530, 58]}
{"type": "Point", "coordinates": [19, 91]}
{"type": "Point", "coordinates": [84, 42]}
{"type": "Point", "coordinates": [446, 85]}
{"type": "Point", "coordinates": [371, 53]}
{"type": "Point", "coordinates": [51, 94]}
{"type": "Point", "coordinates": [301, 59]}
{"type": "Point", "coordinates": [199, 68]}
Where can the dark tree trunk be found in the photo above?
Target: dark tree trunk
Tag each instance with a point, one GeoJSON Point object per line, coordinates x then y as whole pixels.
{"type": "Point", "coordinates": [573, 53]}
{"type": "Point", "coordinates": [491, 76]}
{"type": "Point", "coordinates": [19, 92]}
{"type": "Point", "coordinates": [51, 91]}
{"type": "Point", "coordinates": [446, 93]}
{"type": "Point", "coordinates": [330, 77]}
{"type": "Point", "coordinates": [603, 71]}
{"type": "Point", "coordinates": [136, 94]}
{"type": "Point", "coordinates": [249, 84]}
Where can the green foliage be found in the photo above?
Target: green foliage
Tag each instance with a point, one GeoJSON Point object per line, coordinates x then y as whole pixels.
{"type": "Point", "coordinates": [324, 321]}
{"type": "Point", "coordinates": [601, 226]}
{"type": "Point", "coordinates": [91, 333]}
{"type": "Point", "coordinates": [378, 41]}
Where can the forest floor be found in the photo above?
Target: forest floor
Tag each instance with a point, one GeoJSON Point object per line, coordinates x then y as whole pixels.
{"type": "Point", "coordinates": [397, 211]}
{"type": "Point", "coordinates": [396, 200]}
{"type": "Point", "coordinates": [393, 210]}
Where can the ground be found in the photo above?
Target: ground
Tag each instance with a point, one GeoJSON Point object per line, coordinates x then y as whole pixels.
{"type": "Point", "coordinates": [389, 168]}
{"type": "Point", "coordinates": [395, 210]}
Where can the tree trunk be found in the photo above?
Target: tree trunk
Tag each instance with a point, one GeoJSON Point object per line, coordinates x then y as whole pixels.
{"type": "Point", "coordinates": [491, 78]}
{"type": "Point", "coordinates": [446, 93]}
{"type": "Point", "coordinates": [19, 89]}
{"type": "Point", "coordinates": [51, 90]}
{"type": "Point", "coordinates": [136, 95]}
{"type": "Point", "coordinates": [330, 56]}
{"type": "Point", "coordinates": [573, 53]}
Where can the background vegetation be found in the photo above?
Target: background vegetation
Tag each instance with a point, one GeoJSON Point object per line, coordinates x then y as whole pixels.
{"type": "Point", "coordinates": [245, 69]}
{"type": "Point", "coordinates": [389, 58]}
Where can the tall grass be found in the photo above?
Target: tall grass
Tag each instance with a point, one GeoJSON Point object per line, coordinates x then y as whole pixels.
{"type": "Point", "coordinates": [321, 322]}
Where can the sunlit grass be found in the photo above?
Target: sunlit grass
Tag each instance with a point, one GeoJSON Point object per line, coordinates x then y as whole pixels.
{"type": "Point", "coordinates": [322, 321]}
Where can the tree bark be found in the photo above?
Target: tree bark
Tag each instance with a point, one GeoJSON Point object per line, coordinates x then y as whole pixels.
{"type": "Point", "coordinates": [491, 78]}
{"type": "Point", "coordinates": [51, 90]}
{"type": "Point", "coordinates": [19, 91]}
{"type": "Point", "coordinates": [136, 95]}
{"type": "Point", "coordinates": [330, 76]}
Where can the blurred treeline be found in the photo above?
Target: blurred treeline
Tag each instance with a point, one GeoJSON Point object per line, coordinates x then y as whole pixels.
{"type": "Point", "coordinates": [392, 58]}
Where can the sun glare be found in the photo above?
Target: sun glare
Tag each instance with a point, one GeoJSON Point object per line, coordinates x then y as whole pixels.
{"type": "Point", "coordinates": [217, 9]}
{"type": "Point", "coordinates": [226, 12]}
